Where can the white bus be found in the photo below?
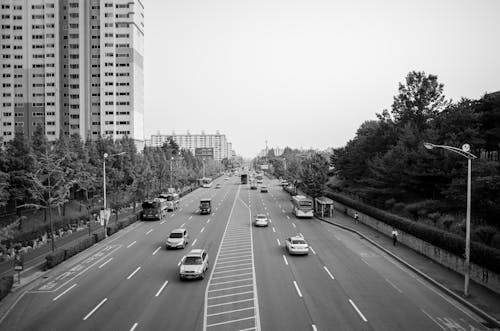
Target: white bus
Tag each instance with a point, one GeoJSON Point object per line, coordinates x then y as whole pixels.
{"type": "Point", "coordinates": [302, 206]}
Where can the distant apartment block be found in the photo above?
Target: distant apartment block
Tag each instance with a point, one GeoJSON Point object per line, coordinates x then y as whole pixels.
{"type": "Point", "coordinates": [221, 147]}
{"type": "Point", "coordinates": [72, 66]}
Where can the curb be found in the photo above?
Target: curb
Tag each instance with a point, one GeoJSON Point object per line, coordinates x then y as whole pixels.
{"type": "Point", "coordinates": [478, 311]}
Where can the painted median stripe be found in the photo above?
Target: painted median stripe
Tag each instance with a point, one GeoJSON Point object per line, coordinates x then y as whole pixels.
{"type": "Point", "coordinates": [287, 216]}
{"type": "Point", "coordinates": [156, 250]}
{"type": "Point", "coordinates": [161, 288]}
{"type": "Point", "coordinates": [314, 327]}
{"type": "Point", "coordinates": [314, 252]}
{"type": "Point", "coordinates": [274, 229]}
{"type": "Point", "coordinates": [66, 291]}
{"type": "Point", "coordinates": [194, 242]}
{"type": "Point", "coordinates": [131, 244]}
{"type": "Point", "coordinates": [297, 288]}
{"type": "Point", "coordinates": [358, 311]}
{"type": "Point", "coordinates": [149, 231]}
{"type": "Point", "coordinates": [134, 326]}
{"type": "Point", "coordinates": [202, 229]}
{"type": "Point", "coordinates": [102, 265]}
{"type": "Point", "coordinates": [279, 244]}
{"type": "Point", "coordinates": [284, 258]}
{"type": "Point", "coordinates": [133, 273]}
{"type": "Point", "coordinates": [293, 224]}
{"type": "Point", "coordinates": [96, 307]}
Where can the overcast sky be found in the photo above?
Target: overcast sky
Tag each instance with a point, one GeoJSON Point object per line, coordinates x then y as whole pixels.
{"type": "Point", "coordinates": [306, 73]}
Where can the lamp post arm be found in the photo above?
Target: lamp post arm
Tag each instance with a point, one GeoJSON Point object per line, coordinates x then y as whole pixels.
{"type": "Point", "coordinates": [458, 151]}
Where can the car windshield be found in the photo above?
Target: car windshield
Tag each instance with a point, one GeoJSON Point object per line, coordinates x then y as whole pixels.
{"type": "Point", "coordinates": [298, 242]}
{"type": "Point", "coordinates": [261, 217]}
{"type": "Point", "coordinates": [176, 235]}
{"type": "Point", "coordinates": [190, 260]}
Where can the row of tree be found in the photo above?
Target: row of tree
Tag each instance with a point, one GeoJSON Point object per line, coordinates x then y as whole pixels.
{"type": "Point", "coordinates": [38, 173]}
{"type": "Point", "coordinates": [387, 161]}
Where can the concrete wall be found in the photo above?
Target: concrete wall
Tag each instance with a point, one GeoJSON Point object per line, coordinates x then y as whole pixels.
{"type": "Point", "coordinates": [478, 274]}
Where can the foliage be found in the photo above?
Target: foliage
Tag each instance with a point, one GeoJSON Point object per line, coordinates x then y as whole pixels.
{"type": "Point", "coordinates": [6, 283]}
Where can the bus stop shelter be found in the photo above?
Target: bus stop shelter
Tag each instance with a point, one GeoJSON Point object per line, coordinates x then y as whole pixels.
{"type": "Point", "coordinates": [324, 206]}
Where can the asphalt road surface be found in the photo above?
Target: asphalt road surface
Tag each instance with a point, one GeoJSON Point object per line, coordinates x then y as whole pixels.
{"type": "Point", "coordinates": [130, 281]}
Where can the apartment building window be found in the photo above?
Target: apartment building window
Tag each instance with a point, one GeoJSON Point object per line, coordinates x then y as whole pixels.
{"type": "Point", "coordinates": [123, 122]}
{"type": "Point", "coordinates": [20, 123]}
{"type": "Point", "coordinates": [51, 123]}
{"type": "Point", "coordinates": [51, 133]}
{"type": "Point", "coordinates": [7, 123]}
{"type": "Point", "coordinates": [109, 122]}
{"type": "Point", "coordinates": [109, 103]}
{"type": "Point", "coordinates": [51, 113]}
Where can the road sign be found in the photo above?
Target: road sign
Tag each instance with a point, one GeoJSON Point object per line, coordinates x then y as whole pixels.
{"type": "Point", "coordinates": [207, 152]}
{"type": "Point", "coordinates": [18, 263]}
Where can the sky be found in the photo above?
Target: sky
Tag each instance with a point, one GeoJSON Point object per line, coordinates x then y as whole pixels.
{"type": "Point", "coordinates": [306, 73]}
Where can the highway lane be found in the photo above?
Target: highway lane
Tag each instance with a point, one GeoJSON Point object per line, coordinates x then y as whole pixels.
{"type": "Point", "coordinates": [126, 298]}
{"type": "Point", "coordinates": [389, 296]}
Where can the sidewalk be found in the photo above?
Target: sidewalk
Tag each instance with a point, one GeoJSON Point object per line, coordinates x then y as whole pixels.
{"type": "Point", "coordinates": [481, 297]}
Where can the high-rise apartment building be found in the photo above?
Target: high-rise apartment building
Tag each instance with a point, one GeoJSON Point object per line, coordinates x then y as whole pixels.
{"type": "Point", "coordinates": [190, 141]}
{"type": "Point", "coordinates": [72, 66]}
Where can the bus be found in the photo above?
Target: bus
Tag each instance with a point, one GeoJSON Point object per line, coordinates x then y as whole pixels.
{"type": "Point", "coordinates": [154, 209]}
{"type": "Point", "coordinates": [206, 182]}
{"type": "Point", "coordinates": [302, 206]}
{"type": "Point", "coordinates": [244, 178]}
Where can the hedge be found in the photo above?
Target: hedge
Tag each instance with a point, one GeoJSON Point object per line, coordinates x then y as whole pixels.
{"type": "Point", "coordinates": [54, 258]}
{"type": "Point", "coordinates": [5, 285]}
{"type": "Point", "coordinates": [480, 254]}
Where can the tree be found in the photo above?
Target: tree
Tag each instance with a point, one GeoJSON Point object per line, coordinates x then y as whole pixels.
{"type": "Point", "coordinates": [419, 100]}
{"type": "Point", "coordinates": [50, 184]}
{"type": "Point", "coordinates": [314, 174]}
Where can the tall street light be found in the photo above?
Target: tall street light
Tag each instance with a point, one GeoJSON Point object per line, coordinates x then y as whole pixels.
{"type": "Point", "coordinates": [171, 159]}
{"type": "Point", "coordinates": [106, 155]}
{"type": "Point", "coordinates": [465, 152]}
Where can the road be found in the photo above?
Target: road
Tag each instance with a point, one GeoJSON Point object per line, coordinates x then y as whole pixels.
{"type": "Point", "coordinates": [130, 282]}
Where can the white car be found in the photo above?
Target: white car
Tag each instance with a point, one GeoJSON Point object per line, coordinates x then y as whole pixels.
{"type": "Point", "coordinates": [194, 265]}
{"type": "Point", "coordinates": [178, 238]}
{"type": "Point", "coordinates": [261, 220]}
{"type": "Point", "coordinates": [296, 245]}
{"type": "Point", "coordinates": [226, 178]}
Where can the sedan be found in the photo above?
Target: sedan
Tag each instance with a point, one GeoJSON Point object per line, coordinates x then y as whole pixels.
{"type": "Point", "coordinates": [261, 220]}
{"type": "Point", "coordinates": [194, 265]}
{"type": "Point", "coordinates": [297, 245]}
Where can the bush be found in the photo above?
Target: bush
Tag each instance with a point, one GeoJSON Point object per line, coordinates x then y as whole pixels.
{"type": "Point", "coordinates": [484, 233]}
{"type": "Point", "coordinates": [54, 258]}
{"type": "Point", "coordinates": [399, 206]}
{"type": "Point", "coordinates": [389, 203]}
{"type": "Point", "coordinates": [434, 216]}
{"type": "Point", "coordinates": [480, 254]}
{"type": "Point", "coordinates": [495, 241]}
{"type": "Point", "coordinates": [111, 228]}
{"type": "Point", "coordinates": [5, 285]}
{"type": "Point", "coordinates": [446, 221]}
{"type": "Point", "coordinates": [98, 236]}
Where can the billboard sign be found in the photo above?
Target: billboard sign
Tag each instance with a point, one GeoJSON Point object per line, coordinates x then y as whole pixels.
{"type": "Point", "coordinates": [207, 152]}
{"type": "Point", "coordinates": [264, 166]}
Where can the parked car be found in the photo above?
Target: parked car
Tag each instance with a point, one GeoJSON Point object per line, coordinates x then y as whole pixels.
{"type": "Point", "coordinates": [297, 245]}
{"type": "Point", "coordinates": [218, 186]}
{"type": "Point", "coordinates": [194, 265]}
{"type": "Point", "coordinates": [178, 238]}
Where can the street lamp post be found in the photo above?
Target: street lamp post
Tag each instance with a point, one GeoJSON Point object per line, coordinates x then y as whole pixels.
{"type": "Point", "coordinates": [106, 155]}
{"type": "Point", "coordinates": [203, 161]}
{"type": "Point", "coordinates": [465, 152]}
{"type": "Point", "coordinates": [171, 159]}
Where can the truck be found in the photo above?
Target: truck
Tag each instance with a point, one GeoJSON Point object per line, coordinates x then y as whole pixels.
{"type": "Point", "coordinates": [205, 206]}
{"type": "Point", "coordinates": [244, 178]}
{"type": "Point", "coordinates": [154, 209]}
{"type": "Point", "coordinates": [172, 200]}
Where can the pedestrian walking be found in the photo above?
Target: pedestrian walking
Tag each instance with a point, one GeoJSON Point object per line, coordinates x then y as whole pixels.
{"type": "Point", "coordinates": [356, 217]}
{"type": "Point", "coordinates": [394, 236]}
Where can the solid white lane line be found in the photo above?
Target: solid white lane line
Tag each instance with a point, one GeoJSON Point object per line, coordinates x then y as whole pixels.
{"type": "Point", "coordinates": [149, 231]}
{"type": "Point", "coordinates": [287, 216]}
{"type": "Point", "coordinates": [358, 311]}
{"type": "Point", "coordinates": [230, 295]}
{"type": "Point", "coordinates": [314, 327]}
{"type": "Point", "coordinates": [66, 291]}
{"type": "Point", "coordinates": [284, 258]}
{"type": "Point", "coordinates": [194, 242]}
{"type": "Point", "coordinates": [161, 288]}
{"type": "Point", "coordinates": [274, 230]}
{"type": "Point", "coordinates": [226, 271]}
{"type": "Point", "coordinates": [230, 311]}
{"type": "Point", "coordinates": [232, 281]}
{"type": "Point", "coordinates": [432, 319]}
{"type": "Point", "coordinates": [134, 326]}
{"type": "Point", "coordinates": [133, 273]}
{"type": "Point", "coordinates": [96, 307]}
{"type": "Point", "coordinates": [202, 229]}
{"type": "Point", "coordinates": [230, 288]}
{"type": "Point", "coordinates": [131, 244]}
{"type": "Point", "coordinates": [393, 285]}
{"type": "Point", "coordinates": [230, 303]}
{"type": "Point", "coordinates": [293, 224]}
{"type": "Point", "coordinates": [156, 250]}
{"type": "Point", "coordinates": [279, 244]}
{"type": "Point", "coordinates": [312, 250]}
{"type": "Point", "coordinates": [231, 321]}
{"type": "Point", "coordinates": [297, 288]}
{"type": "Point", "coordinates": [328, 272]}
{"type": "Point", "coordinates": [102, 265]}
